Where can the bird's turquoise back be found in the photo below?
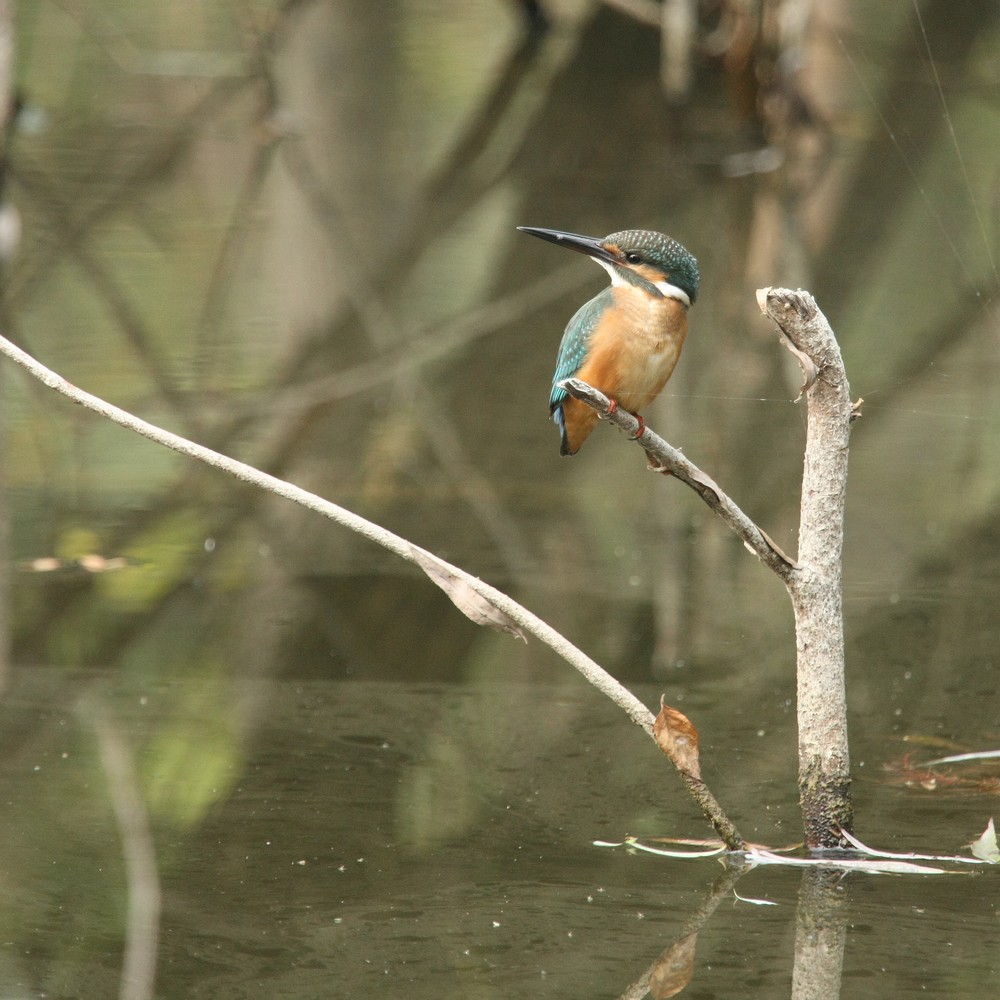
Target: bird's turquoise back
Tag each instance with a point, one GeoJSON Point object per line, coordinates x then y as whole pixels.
{"type": "Point", "coordinates": [573, 347]}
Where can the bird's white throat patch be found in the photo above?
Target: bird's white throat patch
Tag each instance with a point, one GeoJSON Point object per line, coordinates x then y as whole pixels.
{"type": "Point", "coordinates": [667, 290]}
{"type": "Point", "coordinates": [673, 292]}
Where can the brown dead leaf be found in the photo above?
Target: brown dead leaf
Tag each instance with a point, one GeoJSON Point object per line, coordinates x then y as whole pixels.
{"type": "Point", "coordinates": [472, 604]}
{"type": "Point", "coordinates": [674, 969]}
{"type": "Point", "coordinates": [678, 739]}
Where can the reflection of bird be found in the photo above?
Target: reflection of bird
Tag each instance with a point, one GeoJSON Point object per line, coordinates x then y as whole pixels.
{"type": "Point", "coordinates": [626, 340]}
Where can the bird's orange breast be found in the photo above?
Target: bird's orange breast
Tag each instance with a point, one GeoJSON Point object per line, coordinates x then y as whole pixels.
{"type": "Point", "coordinates": [634, 349]}
{"type": "Point", "coordinates": [631, 353]}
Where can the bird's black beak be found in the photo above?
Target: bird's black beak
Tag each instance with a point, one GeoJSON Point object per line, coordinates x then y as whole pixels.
{"type": "Point", "coordinates": [572, 241]}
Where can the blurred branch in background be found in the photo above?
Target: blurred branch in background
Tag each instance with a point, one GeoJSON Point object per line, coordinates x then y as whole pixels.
{"type": "Point", "coordinates": [383, 331]}
{"type": "Point", "coordinates": [8, 216]}
{"type": "Point", "coordinates": [472, 168]}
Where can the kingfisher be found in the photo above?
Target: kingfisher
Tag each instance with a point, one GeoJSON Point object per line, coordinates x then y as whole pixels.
{"type": "Point", "coordinates": [626, 340]}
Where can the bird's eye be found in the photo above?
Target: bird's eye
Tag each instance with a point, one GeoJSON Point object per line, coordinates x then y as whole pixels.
{"type": "Point", "coordinates": [633, 258]}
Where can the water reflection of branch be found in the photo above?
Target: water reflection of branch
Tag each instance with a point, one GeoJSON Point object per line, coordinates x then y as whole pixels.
{"type": "Point", "coordinates": [138, 850]}
{"type": "Point", "coordinates": [232, 242]}
{"type": "Point", "coordinates": [76, 221]}
{"type": "Point", "coordinates": [121, 193]}
{"type": "Point", "coordinates": [495, 134]}
{"type": "Point", "coordinates": [820, 936]}
{"type": "Point", "coordinates": [479, 159]}
{"type": "Point", "coordinates": [505, 115]}
{"type": "Point", "coordinates": [931, 345]}
{"type": "Point", "coordinates": [675, 966]}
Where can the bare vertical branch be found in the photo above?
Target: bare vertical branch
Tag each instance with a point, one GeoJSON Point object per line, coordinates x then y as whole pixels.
{"type": "Point", "coordinates": [816, 585]}
{"type": "Point", "coordinates": [679, 22]}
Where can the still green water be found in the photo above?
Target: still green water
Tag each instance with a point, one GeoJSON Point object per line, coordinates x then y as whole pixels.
{"type": "Point", "coordinates": [367, 838]}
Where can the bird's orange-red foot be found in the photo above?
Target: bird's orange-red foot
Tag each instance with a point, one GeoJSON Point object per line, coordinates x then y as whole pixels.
{"type": "Point", "coordinates": [613, 406]}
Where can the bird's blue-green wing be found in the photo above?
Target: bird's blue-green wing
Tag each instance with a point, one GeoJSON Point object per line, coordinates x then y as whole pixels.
{"type": "Point", "coordinates": [573, 348]}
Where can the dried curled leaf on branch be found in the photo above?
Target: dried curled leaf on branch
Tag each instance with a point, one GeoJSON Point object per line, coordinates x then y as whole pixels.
{"type": "Point", "coordinates": [472, 604]}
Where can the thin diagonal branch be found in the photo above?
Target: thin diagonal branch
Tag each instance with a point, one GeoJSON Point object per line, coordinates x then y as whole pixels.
{"type": "Point", "coordinates": [396, 544]}
{"type": "Point", "coordinates": [669, 459]}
